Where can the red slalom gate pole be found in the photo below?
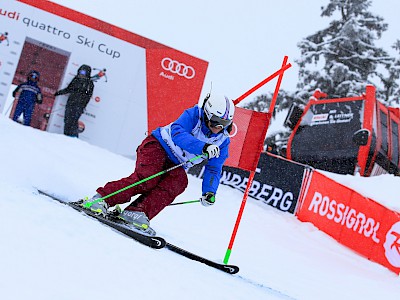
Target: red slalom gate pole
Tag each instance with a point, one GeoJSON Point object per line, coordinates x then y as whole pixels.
{"type": "Point", "coordinates": [278, 85]}
{"type": "Point", "coordinates": [239, 217]}
{"type": "Point", "coordinates": [269, 78]}
{"type": "Point", "coordinates": [279, 73]}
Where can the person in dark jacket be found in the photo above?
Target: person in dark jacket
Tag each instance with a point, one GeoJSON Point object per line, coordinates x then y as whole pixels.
{"type": "Point", "coordinates": [80, 90]}
{"type": "Point", "coordinates": [29, 95]}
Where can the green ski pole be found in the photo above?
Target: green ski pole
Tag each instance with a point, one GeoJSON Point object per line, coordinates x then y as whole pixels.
{"type": "Point", "coordinates": [89, 204]}
{"type": "Point", "coordinates": [186, 202]}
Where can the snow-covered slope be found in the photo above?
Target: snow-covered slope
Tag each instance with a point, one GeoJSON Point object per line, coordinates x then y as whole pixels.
{"type": "Point", "coordinates": [48, 251]}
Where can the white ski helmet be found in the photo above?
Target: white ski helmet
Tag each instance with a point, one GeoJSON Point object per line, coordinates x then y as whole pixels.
{"type": "Point", "coordinates": [219, 110]}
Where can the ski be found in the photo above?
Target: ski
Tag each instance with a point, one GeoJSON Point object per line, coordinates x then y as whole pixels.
{"type": "Point", "coordinates": [154, 242]}
{"type": "Point", "coordinates": [231, 269]}
{"type": "Point", "coordinates": [151, 241]}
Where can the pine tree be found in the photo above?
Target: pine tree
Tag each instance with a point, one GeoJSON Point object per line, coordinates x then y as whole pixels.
{"type": "Point", "coordinates": [342, 59]}
{"type": "Point", "coordinates": [391, 91]}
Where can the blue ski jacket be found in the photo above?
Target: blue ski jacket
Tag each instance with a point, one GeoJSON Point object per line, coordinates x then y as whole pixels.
{"type": "Point", "coordinates": [30, 93]}
{"type": "Point", "coordinates": [186, 137]}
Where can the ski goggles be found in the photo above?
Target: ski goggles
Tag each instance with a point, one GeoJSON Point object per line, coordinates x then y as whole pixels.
{"type": "Point", "coordinates": [82, 72]}
{"type": "Point", "coordinates": [218, 122]}
{"type": "Point", "coordinates": [34, 76]}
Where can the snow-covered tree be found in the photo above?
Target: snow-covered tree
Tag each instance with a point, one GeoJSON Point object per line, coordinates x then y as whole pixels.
{"type": "Point", "coordinates": [391, 90]}
{"type": "Point", "coordinates": [343, 58]}
{"type": "Point", "coordinates": [340, 60]}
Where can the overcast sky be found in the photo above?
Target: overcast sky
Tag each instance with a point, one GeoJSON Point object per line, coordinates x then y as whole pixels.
{"type": "Point", "coordinates": [243, 41]}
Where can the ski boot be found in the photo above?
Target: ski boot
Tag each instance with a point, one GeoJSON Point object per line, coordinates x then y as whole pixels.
{"type": "Point", "coordinates": [100, 207]}
{"type": "Point", "coordinates": [139, 220]}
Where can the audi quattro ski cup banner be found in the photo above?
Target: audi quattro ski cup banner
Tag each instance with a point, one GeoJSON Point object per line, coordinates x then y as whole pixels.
{"type": "Point", "coordinates": [277, 181]}
{"type": "Point", "coordinates": [355, 221]}
{"type": "Point", "coordinates": [139, 84]}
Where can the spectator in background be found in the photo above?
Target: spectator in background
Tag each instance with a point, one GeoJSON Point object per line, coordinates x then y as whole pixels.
{"type": "Point", "coordinates": [29, 95]}
{"type": "Point", "coordinates": [81, 90]}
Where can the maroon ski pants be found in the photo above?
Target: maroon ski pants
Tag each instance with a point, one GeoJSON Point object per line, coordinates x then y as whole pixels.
{"type": "Point", "coordinates": [156, 193]}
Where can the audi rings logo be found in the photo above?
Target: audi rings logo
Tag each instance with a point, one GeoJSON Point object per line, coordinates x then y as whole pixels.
{"type": "Point", "coordinates": [176, 67]}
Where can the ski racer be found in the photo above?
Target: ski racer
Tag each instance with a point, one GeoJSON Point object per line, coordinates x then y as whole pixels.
{"type": "Point", "coordinates": [199, 130]}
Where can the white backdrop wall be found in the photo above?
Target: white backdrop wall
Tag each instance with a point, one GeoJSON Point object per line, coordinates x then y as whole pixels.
{"type": "Point", "coordinates": [118, 115]}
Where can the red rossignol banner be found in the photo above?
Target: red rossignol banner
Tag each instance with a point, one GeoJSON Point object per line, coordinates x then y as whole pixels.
{"type": "Point", "coordinates": [247, 138]}
{"type": "Point", "coordinates": [357, 222]}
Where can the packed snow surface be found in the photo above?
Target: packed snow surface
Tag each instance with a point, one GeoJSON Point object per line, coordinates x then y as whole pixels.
{"type": "Point", "coordinates": [49, 251]}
